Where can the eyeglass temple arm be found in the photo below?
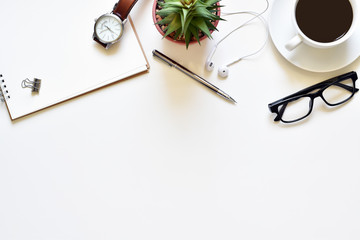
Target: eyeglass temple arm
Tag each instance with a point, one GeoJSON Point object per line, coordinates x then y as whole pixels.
{"type": "Point", "coordinates": [325, 83]}
{"type": "Point", "coordinates": [351, 75]}
{"type": "Point", "coordinates": [346, 87]}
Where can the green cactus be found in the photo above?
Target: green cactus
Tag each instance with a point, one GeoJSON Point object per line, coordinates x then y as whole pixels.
{"type": "Point", "coordinates": [188, 18]}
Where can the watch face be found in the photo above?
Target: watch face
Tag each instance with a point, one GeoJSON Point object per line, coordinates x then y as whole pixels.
{"type": "Point", "coordinates": [108, 28]}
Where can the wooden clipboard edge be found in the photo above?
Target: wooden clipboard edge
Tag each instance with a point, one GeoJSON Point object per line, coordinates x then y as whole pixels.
{"type": "Point", "coordinates": [138, 39]}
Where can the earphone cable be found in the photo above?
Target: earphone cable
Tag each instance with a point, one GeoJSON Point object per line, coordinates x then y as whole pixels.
{"type": "Point", "coordinates": [256, 15]}
{"type": "Point", "coordinates": [262, 46]}
{"type": "Point", "coordinates": [235, 29]}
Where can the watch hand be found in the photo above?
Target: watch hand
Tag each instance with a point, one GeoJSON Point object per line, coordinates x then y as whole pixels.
{"type": "Point", "coordinates": [109, 29]}
{"type": "Point", "coordinates": [103, 31]}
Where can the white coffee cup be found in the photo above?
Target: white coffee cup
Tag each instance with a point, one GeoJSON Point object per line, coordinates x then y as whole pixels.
{"type": "Point", "coordinates": [300, 37]}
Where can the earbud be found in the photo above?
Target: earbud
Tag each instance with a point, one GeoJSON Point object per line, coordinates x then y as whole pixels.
{"type": "Point", "coordinates": [209, 65]}
{"type": "Point", "coordinates": [223, 71]}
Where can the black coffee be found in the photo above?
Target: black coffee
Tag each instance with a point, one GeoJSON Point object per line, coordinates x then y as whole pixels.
{"type": "Point", "coordinates": [324, 20]}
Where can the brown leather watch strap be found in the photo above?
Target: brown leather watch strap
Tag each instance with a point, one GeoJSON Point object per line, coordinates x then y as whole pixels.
{"type": "Point", "coordinates": [123, 8]}
{"type": "Point", "coordinates": [97, 40]}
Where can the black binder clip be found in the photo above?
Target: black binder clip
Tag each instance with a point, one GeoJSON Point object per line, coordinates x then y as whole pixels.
{"type": "Point", "coordinates": [34, 85]}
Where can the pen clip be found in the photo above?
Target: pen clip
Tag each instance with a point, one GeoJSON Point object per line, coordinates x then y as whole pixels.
{"type": "Point", "coordinates": [162, 57]}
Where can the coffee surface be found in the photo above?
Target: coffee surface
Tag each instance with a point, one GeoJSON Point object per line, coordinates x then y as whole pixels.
{"type": "Point", "coordinates": [324, 20]}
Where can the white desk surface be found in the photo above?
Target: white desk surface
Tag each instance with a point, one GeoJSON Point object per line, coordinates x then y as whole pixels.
{"type": "Point", "coordinates": [161, 157]}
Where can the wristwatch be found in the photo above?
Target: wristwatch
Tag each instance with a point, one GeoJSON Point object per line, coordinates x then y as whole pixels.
{"type": "Point", "coordinates": [109, 27]}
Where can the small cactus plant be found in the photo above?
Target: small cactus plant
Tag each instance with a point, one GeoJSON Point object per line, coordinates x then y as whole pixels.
{"type": "Point", "coordinates": [188, 19]}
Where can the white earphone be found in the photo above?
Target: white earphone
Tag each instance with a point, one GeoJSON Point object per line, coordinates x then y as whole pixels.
{"type": "Point", "coordinates": [209, 64]}
{"type": "Point", "coordinates": [223, 71]}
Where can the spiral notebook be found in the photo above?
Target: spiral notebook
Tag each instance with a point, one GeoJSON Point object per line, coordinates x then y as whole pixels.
{"type": "Point", "coordinates": [52, 41]}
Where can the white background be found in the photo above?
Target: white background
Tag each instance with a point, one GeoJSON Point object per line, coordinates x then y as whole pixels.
{"type": "Point", "coordinates": [161, 157]}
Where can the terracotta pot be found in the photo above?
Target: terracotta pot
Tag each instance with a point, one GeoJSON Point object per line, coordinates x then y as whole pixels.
{"type": "Point", "coordinates": [170, 38]}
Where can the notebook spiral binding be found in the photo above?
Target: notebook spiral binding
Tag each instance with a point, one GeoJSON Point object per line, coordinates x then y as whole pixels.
{"type": "Point", "coordinates": [4, 92]}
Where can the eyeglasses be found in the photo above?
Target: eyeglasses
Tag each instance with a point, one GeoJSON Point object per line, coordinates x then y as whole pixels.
{"type": "Point", "coordinates": [298, 106]}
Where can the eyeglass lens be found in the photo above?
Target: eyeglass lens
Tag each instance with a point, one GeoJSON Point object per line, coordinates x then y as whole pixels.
{"type": "Point", "coordinates": [296, 109]}
{"type": "Point", "coordinates": [339, 92]}
{"type": "Point", "coordinates": [300, 107]}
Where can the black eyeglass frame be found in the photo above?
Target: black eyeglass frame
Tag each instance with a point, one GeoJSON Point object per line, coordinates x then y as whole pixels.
{"type": "Point", "coordinates": [308, 92]}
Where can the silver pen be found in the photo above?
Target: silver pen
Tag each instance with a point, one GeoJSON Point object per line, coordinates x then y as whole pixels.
{"type": "Point", "coordinates": [191, 74]}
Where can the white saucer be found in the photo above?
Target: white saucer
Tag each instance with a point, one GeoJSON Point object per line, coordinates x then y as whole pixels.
{"type": "Point", "coordinates": [312, 59]}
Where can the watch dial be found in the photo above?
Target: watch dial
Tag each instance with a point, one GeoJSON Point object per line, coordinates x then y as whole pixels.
{"type": "Point", "coordinates": [108, 28]}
